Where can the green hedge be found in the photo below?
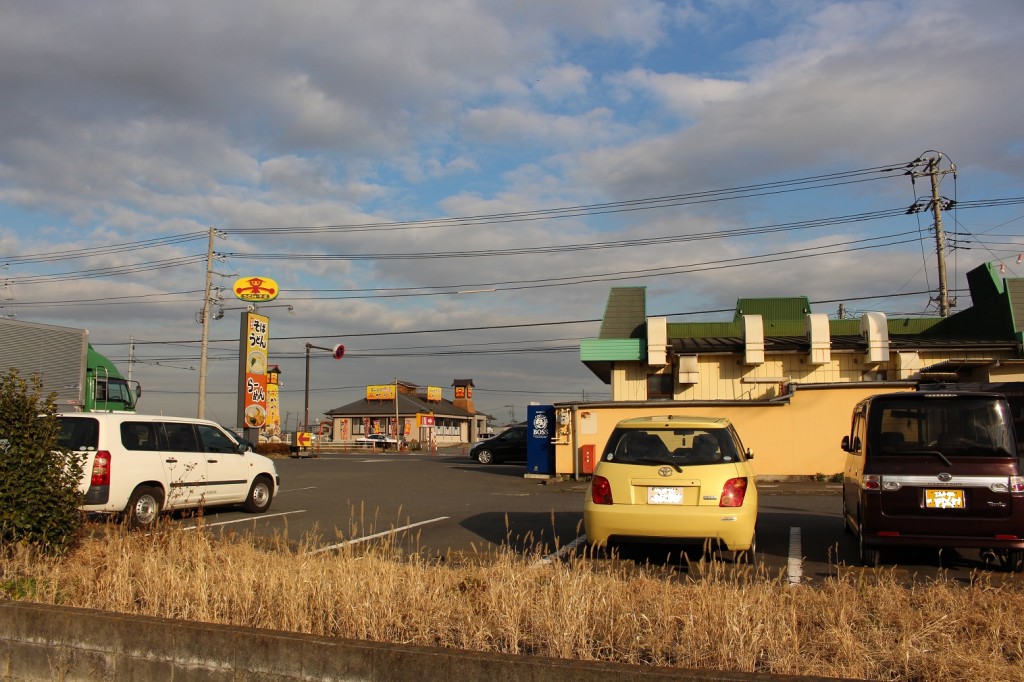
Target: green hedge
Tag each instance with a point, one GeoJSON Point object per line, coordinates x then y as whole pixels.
{"type": "Point", "coordinates": [39, 497]}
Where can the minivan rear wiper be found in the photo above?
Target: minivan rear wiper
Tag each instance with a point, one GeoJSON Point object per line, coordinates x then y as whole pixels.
{"type": "Point", "coordinates": [945, 460]}
{"type": "Point", "coordinates": [654, 460]}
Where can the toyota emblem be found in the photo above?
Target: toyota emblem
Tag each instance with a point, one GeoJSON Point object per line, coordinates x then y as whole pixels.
{"type": "Point", "coordinates": [665, 471]}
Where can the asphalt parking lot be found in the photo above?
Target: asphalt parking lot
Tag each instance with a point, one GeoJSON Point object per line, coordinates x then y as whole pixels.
{"type": "Point", "coordinates": [447, 505]}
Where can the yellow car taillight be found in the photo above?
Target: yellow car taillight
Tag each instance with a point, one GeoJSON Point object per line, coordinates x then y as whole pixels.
{"type": "Point", "coordinates": [601, 490]}
{"type": "Point", "coordinates": [733, 493]}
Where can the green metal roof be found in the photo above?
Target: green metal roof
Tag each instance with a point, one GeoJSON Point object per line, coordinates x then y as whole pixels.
{"type": "Point", "coordinates": [996, 314]}
{"type": "Point", "coordinates": [777, 309]}
{"type": "Point", "coordinates": [612, 349]}
{"type": "Point", "coordinates": [625, 315]}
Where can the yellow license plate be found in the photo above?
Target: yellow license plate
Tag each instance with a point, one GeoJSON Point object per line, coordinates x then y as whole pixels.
{"type": "Point", "coordinates": [664, 496]}
{"type": "Point", "coordinates": [944, 499]}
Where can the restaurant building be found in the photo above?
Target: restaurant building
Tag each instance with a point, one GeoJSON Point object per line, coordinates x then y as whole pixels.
{"type": "Point", "coordinates": [786, 375]}
{"type": "Point", "coordinates": [413, 413]}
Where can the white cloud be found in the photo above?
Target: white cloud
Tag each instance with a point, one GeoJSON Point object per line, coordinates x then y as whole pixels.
{"type": "Point", "coordinates": [681, 93]}
{"type": "Point", "coordinates": [125, 122]}
{"type": "Point", "coordinates": [563, 81]}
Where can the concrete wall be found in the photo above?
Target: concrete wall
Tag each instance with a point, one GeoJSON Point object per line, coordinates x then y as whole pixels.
{"type": "Point", "coordinates": [42, 642]}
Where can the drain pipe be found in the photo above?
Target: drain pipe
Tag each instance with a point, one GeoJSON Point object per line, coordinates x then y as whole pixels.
{"type": "Point", "coordinates": [577, 463]}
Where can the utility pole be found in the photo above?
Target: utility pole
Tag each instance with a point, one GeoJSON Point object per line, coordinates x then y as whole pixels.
{"type": "Point", "coordinates": [201, 411]}
{"type": "Point", "coordinates": [936, 204]}
{"type": "Point", "coordinates": [203, 318]}
{"type": "Point", "coordinates": [131, 355]}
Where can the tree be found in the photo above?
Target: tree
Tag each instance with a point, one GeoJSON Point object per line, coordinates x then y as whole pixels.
{"type": "Point", "coordinates": [39, 496]}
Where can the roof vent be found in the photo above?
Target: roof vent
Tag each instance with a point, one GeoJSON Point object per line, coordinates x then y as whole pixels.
{"type": "Point", "coordinates": [816, 328]}
{"type": "Point", "coordinates": [874, 329]}
{"type": "Point", "coordinates": [753, 340]}
{"type": "Point", "coordinates": [657, 340]}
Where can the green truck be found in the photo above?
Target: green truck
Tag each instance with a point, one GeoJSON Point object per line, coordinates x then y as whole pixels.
{"type": "Point", "coordinates": [84, 380]}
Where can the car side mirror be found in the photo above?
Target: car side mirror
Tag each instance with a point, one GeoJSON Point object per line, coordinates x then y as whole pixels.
{"type": "Point", "coordinates": [241, 448]}
{"type": "Point", "coordinates": [750, 455]}
{"type": "Point", "coordinates": [845, 445]}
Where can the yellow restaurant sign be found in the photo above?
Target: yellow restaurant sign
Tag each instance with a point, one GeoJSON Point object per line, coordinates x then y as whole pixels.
{"type": "Point", "coordinates": [255, 289]}
{"type": "Point", "coordinates": [433, 394]}
{"type": "Point", "coordinates": [381, 392]}
{"type": "Point", "coordinates": [254, 346]}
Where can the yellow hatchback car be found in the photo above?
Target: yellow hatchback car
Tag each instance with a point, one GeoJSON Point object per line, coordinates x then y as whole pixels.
{"type": "Point", "coordinates": [676, 479]}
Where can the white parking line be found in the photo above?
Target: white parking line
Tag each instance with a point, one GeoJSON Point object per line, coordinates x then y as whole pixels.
{"type": "Point", "coordinates": [245, 520]}
{"type": "Point", "coordinates": [375, 535]}
{"type": "Point", "coordinates": [564, 550]}
{"type": "Point", "coordinates": [294, 490]}
{"type": "Point", "coordinates": [794, 567]}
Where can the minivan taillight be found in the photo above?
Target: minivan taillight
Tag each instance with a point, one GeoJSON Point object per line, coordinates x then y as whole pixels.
{"type": "Point", "coordinates": [601, 490]}
{"type": "Point", "coordinates": [1017, 484]}
{"type": "Point", "coordinates": [871, 482]}
{"type": "Point", "coordinates": [733, 493]}
{"type": "Point", "coordinates": [101, 468]}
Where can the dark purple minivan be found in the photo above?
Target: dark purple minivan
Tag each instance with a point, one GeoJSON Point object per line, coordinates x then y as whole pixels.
{"type": "Point", "coordinates": [934, 469]}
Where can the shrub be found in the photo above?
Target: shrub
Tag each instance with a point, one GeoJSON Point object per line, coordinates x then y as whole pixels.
{"type": "Point", "coordinates": [273, 449]}
{"type": "Point", "coordinates": [39, 495]}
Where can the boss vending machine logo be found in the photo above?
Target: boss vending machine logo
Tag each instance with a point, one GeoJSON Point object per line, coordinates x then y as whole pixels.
{"type": "Point", "coordinates": [540, 425]}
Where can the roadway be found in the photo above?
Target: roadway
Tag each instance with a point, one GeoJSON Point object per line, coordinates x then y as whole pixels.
{"type": "Point", "coordinates": [447, 505]}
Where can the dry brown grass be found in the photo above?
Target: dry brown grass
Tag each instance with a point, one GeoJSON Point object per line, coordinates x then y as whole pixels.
{"type": "Point", "coordinates": [857, 624]}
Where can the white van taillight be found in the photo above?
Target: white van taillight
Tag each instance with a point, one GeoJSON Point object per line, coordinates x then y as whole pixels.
{"type": "Point", "coordinates": [1017, 484]}
{"type": "Point", "coordinates": [872, 482]}
{"type": "Point", "coordinates": [733, 492]}
{"type": "Point", "coordinates": [101, 468]}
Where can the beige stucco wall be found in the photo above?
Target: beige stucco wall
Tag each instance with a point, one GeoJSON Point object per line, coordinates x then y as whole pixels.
{"type": "Point", "coordinates": [726, 377]}
{"type": "Point", "coordinates": [796, 438]}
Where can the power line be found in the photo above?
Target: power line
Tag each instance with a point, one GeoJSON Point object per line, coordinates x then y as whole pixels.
{"type": "Point", "coordinates": [809, 182]}
{"type": "Point", "coordinates": [745, 191]}
{"type": "Point", "coordinates": [565, 248]}
{"type": "Point", "coordinates": [90, 251]}
{"type": "Point", "coordinates": [586, 279]}
{"type": "Point", "coordinates": [108, 271]}
{"type": "Point", "coordinates": [351, 335]}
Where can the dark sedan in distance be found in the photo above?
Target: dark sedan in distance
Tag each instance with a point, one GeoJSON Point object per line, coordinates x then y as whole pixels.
{"type": "Point", "coordinates": [509, 445]}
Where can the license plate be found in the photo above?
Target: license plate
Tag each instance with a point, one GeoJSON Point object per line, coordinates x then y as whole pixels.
{"type": "Point", "coordinates": [944, 499]}
{"type": "Point", "coordinates": [664, 496]}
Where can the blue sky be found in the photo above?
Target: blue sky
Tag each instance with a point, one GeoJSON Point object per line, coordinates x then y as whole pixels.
{"type": "Point", "coordinates": [152, 120]}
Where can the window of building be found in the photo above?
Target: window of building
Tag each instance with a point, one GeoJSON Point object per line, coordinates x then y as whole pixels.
{"type": "Point", "coordinates": [659, 387]}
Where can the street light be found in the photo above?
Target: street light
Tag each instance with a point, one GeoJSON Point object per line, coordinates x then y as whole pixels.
{"type": "Point", "coordinates": [337, 353]}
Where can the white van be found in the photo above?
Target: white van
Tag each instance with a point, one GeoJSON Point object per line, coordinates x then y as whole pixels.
{"type": "Point", "coordinates": [139, 465]}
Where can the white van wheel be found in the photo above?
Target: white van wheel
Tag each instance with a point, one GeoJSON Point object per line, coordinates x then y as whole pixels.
{"type": "Point", "coordinates": [144, 506]}
{"type": "Point", "coordinates": [260, 495]}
